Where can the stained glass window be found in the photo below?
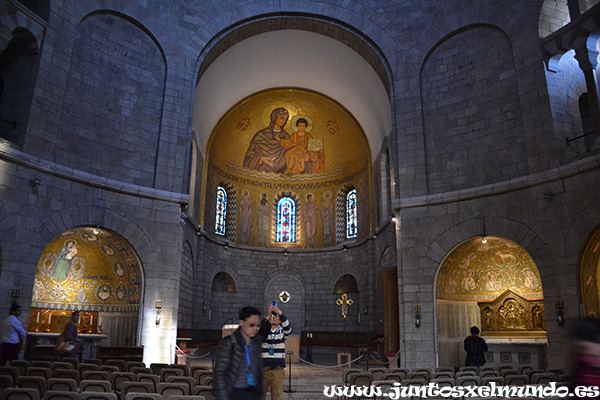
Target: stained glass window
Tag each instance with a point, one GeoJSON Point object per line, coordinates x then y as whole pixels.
{"type": "Point", "coordinates": [286, 220]}
{"type": "Point", "coordinates": [221, 211]}
{"type": "Point", "coordinates": [351, 224]}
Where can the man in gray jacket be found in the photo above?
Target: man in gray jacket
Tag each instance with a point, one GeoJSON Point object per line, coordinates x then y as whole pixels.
{"type": "Point", "coordinates": [238, 371]}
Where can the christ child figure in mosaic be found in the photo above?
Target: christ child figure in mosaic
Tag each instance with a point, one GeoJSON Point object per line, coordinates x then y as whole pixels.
{"type": "Point", "coordinates": [304, 154]}
{"type": "Point", "coordinates": [63, 262]}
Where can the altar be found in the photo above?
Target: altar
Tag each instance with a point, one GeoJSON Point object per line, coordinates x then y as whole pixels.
{"type": "Point", "coordinates": [514, 329]}
{"type": "Point", "coordinates": [40, 344]}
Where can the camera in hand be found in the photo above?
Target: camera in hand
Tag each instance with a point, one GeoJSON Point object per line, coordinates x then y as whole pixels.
{"type": "Point", "coordinates": [274, 304]}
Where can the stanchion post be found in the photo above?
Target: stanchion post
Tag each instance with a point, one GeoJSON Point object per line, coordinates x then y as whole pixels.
{"type": "Point", "coordinates": [290, 372]}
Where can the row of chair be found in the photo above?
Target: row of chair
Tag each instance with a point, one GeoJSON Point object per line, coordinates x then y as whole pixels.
{"type": "Point", "coordinates": [447, 372]}
{"type": "Point", "coordinates": [109, 365]}
{"type": "Point", "coordinates": [33, 394]}
{"type": "Point", "coordinates": [463, 378]}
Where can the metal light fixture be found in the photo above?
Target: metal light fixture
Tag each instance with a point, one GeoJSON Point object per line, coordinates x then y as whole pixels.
{"type": "Point", "coordinates": [559, 313]}
{"type": "Point", "coordinates": [417, 316]}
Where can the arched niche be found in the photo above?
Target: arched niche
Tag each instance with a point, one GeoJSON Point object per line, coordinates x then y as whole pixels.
{"type": "Point", "coordinates": [589, 276]}
{"type": "Point", "coordinates": [477, 272]}
{"type": "Point", "coordinates": [345, 284]}
{"type": "Point", "coordinates": [223, 282]}
{"type": "Point", "coordinates": [93, 270]}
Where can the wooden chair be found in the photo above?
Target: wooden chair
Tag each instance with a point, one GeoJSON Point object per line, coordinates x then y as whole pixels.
{"type": "Point", "coordinates": [542, 378]}
{"type": "Point", "coordinates": [63, 384]}
{"type": "Point", "coordinates": [120, 364]}
{"type": "Point", "coordinates": [103, 386]}
{"type": "Point", "coordinates": [10, 371]}
{"type": "Point", "coordinates": [61, 395]}
{"type": "Point", "coordinates": [393, 377]}
{"type": "Point", "coordinates": [20, 394]}
{"type": "Point", "coordinates": [403, 372]}
{"type": "Point", "coordinates": [32, 382]}
{"type": "Point", "coordinates": [188, 380]}
{"type": "Point", "coordinates": [442, 375]}
{"type": "Point", "coordinates": [188, 397]}
{"type": "Point", "coordinates": [71, 360]}
{"type": "Point", "coordinates": [516, 380]}
{"type": "Point", "coordinates": [109, 368]}
{"type": "Point", "coordinates": [182, 367]}
{"type": "Point", "coordinates": [41, 363]}
{"type": "Point", "coordinates": [205, 391]}
{"type": "Point", "coordinates": [96, 361]}
{"type": "Point", "coordinates": [95, 376]}
{"type": "Point", "coordinates": [134, 364]}
{"type": "Point", "coordinates": [468, 380]}
{"type": "Point", "coordinates": [361, 379]}
{"type": "Point", "coordinates": [140, 370]}
{"type": "Point", "coordinates": [98, 396]}
{"type": "Point", "coordinates": [83, 367]}
{"type": "Point", "coordinates": [119, 378]}
{"type": "Point", "coordinates": [157, 367]}
{"type": "Point", "coordinates": [143, 396]}
{"type": "Point", "coordinates": [135, 387]}
{"type": "Point", "coordinates": [168, 389]}
{"type": "Point", "coordinates": [167, 372]}
{"type": "Point", "coordinates": [61, 365]}
{"type": "Point", "coordinates": [40, 371]}
{"type": "Point", "coordinates": [6, 381]}
{"type": "Point", "coordinates": [154, 379]}
{"type": "Point", "coordinates": [378, 373]}
{"type": "Point", "coordinates": [499, 380]}
{"type": "Point", "coordinates": [21, 365]}
{"type": "Point", "coordinates": [66, 374]}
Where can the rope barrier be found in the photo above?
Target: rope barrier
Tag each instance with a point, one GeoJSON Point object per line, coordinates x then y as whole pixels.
{"type": "Point", "coordinates": [329, 366]}
{"type": "Point", "coordinates": [192, 357]}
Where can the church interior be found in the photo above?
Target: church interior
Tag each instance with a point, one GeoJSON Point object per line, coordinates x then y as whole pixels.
{"type": "Point", "coordinates": [391, 172]}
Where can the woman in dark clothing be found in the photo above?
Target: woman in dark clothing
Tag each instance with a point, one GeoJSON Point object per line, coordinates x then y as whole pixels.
{"type": "Point", "coordinates": [70, 336]}
{"type": "Point", "coordinates": [475, 347]}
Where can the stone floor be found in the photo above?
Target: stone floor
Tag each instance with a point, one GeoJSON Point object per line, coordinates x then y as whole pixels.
{"type": "Point", "coordinates": [307, 380]}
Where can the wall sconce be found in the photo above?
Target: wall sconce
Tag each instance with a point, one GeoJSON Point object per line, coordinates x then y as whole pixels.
{"type": "Point", "coordinates": [366, 311]}
{"type": "Point", "coordinates": [158, 311]}
{"type": "Point", "coordinates": [16, 293]}
{"type": "Point", "coordinates": [35, 182]}
{"type": "Point", "coordinates": [96, 230]}
{"type": "Point", "coordinates": [393, 218]}
{"type": "Point", "coordinates": [559, 313]}
{"type": "Point", "coordinates": [345, 248]}
{"type": "Point", "coordinates": [285, 253]}
{"type": "Point", "coordinates": [417, 316]}
{"type": "Point", "coordinates": [226, 245]}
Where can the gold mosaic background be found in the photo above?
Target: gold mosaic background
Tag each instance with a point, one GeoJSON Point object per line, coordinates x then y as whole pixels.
{"type": "Point", "coordinates": [81, 270]}
{"type": "Point", "coordinates": [343, 159]}
{"type": "Point", "coordinates": [481, 271]}
{"type": "Point", "coordinates": [590, 263]}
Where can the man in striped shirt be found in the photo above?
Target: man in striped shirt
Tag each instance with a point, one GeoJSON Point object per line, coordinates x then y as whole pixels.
{"type": "Point", "coordinates": [274, 329]}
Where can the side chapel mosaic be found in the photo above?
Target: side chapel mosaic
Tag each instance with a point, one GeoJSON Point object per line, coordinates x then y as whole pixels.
{"type": "Point", "coordinates": [89, 271]}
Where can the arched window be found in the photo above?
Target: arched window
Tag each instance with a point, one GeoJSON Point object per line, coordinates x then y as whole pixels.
{"type": "Point", "coordinates": [286, 220]}
{"type": "Point", "coordinates": [351, 220]}
{"type": "Point", "coordinates": [221, 211]}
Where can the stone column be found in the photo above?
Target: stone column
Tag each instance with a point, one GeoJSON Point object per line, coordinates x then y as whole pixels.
{"type": "Point", "coordinates": [588, 61]}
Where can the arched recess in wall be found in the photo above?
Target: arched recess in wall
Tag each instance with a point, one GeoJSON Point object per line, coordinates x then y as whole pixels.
{"type": "Point", "coordinates": [18, 62]}
{"type": "Point", "coordinates": [480, 86]}
{"type": "Point", "coordinates": [494, 285]}
{"type": "Point", "coordinates": [590, 275]}
{"type": "Point", "coordinates": [92, 109]}
{"type": "Point", "coordinates": [93, 270]}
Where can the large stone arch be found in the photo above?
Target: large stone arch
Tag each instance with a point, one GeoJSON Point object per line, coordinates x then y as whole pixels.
{"type": "Point", "coordinates": [211, 103]}
{"type": "Point", "coordinates": [497, 226]}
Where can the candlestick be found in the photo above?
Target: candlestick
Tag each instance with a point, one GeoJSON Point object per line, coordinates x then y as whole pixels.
{"type": "Point", "coordinates": [49, 319]}
{"type": "Point", "coordinates": [91, 319]}
{"type": "Point", "coordinates": [37, 320]}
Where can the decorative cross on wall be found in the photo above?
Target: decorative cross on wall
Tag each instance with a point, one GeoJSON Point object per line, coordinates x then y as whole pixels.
{"type": "Point", "coordinates": [344, 302]}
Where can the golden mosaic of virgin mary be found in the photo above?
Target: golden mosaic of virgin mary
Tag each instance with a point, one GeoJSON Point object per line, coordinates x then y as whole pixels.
{"type": "Point", "coordinates": [274, 150]}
